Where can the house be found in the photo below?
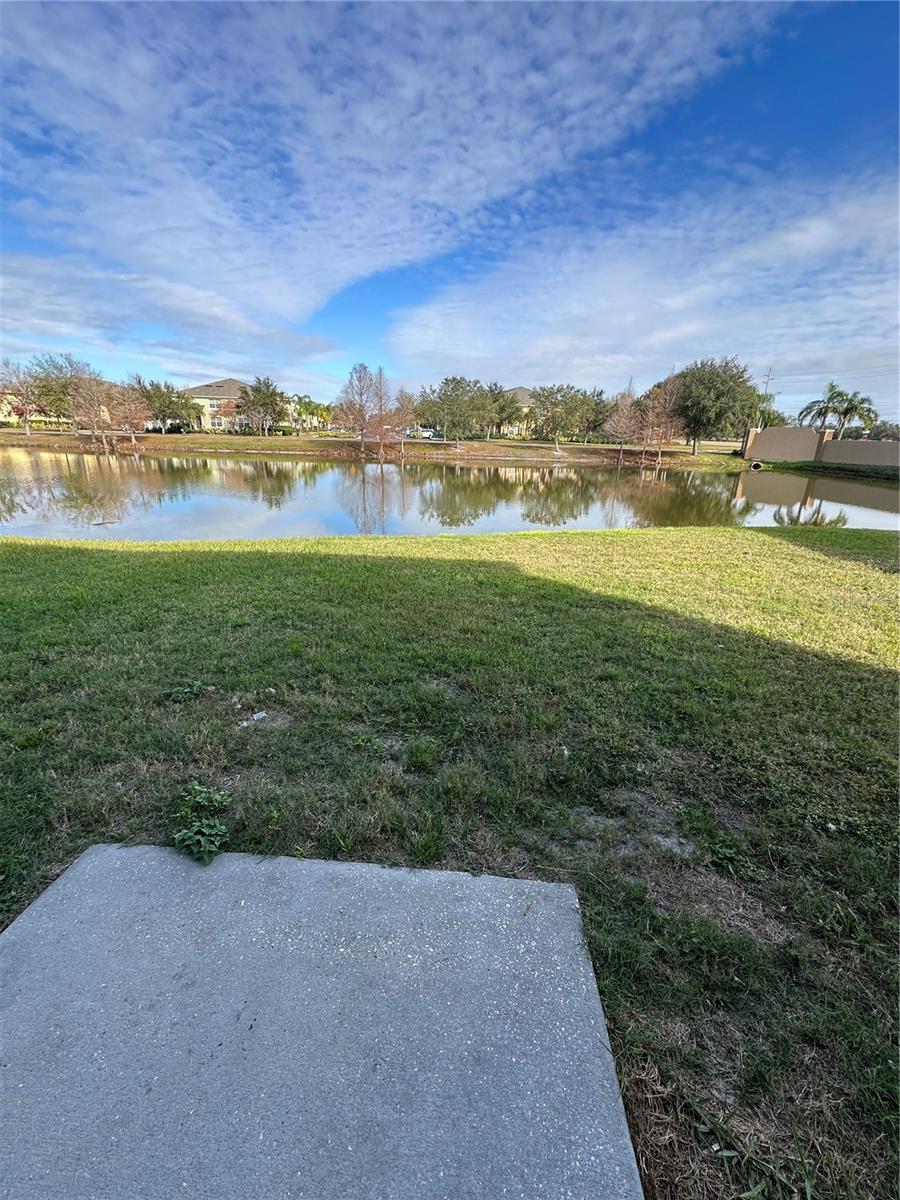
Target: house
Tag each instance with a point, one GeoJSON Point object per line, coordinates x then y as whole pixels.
{"type": "Point", "coordinates": [212, 396]}
{"type": "Point", "coordinates": [522, 397]}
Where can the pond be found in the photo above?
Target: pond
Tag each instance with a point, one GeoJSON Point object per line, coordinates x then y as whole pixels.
{"type": "Point", "coordinates": [50, 494]}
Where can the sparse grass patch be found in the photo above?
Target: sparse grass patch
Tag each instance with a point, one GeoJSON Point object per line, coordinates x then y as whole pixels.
{"type": "Point", "coordinates": [697, 727]}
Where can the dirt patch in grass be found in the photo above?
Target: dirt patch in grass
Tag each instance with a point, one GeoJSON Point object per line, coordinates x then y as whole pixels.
{"type": "Point", "coordinates": [703, 893]}
{"type": "Point", "coordinates": [640, 823]}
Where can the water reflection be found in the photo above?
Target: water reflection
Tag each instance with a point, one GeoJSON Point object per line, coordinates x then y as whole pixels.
{"type": "Point", "coordinates": [51, 494]}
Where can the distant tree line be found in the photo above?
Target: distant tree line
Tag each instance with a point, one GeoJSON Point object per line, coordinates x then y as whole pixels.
{"type": "Point", "coordinates": [709, 398]}
{"type": "Point", "coordinates": [62, 389]}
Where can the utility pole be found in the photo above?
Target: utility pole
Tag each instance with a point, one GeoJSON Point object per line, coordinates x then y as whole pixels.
{"type": "Point", "coordinates": [766, 382]}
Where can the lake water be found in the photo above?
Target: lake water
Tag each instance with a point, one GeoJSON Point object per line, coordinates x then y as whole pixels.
{"type": "Point", "coordinates": [48, 494]}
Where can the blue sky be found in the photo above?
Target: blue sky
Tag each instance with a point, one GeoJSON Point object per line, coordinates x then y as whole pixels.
{"type": "Point", "coordinates": [530, 193]}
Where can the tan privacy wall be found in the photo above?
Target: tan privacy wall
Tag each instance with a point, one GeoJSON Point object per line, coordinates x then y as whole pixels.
{"type": "Point", "coordinates": [869, 454]}
{"type": "Point", "coordinates": [777, 444]}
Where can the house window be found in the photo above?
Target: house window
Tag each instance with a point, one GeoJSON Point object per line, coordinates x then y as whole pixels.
{"type": "Point", "coordinates": [214, 405]}
{"type": "Point", "coordinates": [217, 423]}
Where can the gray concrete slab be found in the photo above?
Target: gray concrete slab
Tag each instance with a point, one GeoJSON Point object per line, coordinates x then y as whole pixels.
{"type": "Point", "coordinates": [277, 1028]}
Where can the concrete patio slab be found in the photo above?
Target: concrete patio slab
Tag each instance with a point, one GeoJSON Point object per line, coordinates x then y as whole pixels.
{"type": "Point", "coordinates": [277, 1028]}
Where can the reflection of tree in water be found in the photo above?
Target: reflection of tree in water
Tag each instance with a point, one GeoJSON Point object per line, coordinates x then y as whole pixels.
{"type": "Point", "coordinates": [455, 496]}
{"type": "Point", "coordinates": [271, 481]}
{"type": "Point", "coordinates": [13, 490]}
{"type": "Point", "coordinates": [370, 494]}
{"type": "Point", "coordinates": [554, 497]}
{"type": "Point", "coordinates": [90, 489]}
{"type": "Point", "coordinates": [86, 489]}
{"type": "Point", "coordinates": [799, 515]}
{"type": "Point", "coordinates": [684, 498]}
{"type": "Point", "coordinates": [79, 488]}
{"type": "Point", "coordinates": [260, 479]}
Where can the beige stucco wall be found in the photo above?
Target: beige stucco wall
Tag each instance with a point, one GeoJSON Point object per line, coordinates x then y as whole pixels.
{"type": "Point", "coordinates": [783, 444]}
{"type": "Point", "coordinates": [869, 454]}
{"type": "Point", "coordinates": [777, 444]}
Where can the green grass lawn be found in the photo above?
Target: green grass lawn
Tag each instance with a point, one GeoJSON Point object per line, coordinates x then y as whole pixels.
{"type": "Point", "coordinates": [697, 727]}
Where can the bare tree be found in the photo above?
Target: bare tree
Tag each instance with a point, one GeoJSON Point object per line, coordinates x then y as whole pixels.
{"type": "Point", "coordinates": [382, 422]}
{"type": "Point", "coordinates": [90, 405]}
{"type": "Point", "coordinates": [622, 423]}
{"type": "Point", "coordinates": [129, 409]}
{"type": "Point", "coordinates": [659, 421]}
{"type": "Point", "coordinates": [404, 415]}
{"type": "Point", "coordinates": [18, 383]}
{"type": "Point", "coordinates": [355, 404]}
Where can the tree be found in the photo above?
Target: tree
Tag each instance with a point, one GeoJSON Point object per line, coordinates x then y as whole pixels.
{"type": "Point", "coordinates": [310, 414]}
{"type": "Point", "coordinates": [881, 431]}
{"type": "Point", "coordinates": [17, 381]}
{"type": "Point", "coordinates": [592, 413]}
{"type": "Point", "coordinates": [382, 419]}
{"type": "Point", "coordinates": [129, 409]}
{"type": "Point", "coordinates": [843, 406]}
{"type": "Point", "coordinates": [716, 398]}
{"type": "Point", "coordinates": [558, 411]}
{"type": "Point", "coordinates": [229, 414]}
{"type": "Point", "coordinates": [770, 417]}
{"type": "Point", "coordinates": [262, 405]}
{"type": "Point", "coordinates": [300, 407]}
{"type": "Point", "coordinates": [659, 415]}
{"type": "Point", "coordinates": [455, 406]}
{"type": "Point", "coordinates": [488, 405]}
{"type": "Point", "coordinates": [307, 413]}
{"type": "Point", "coordinates": [167, 405]}
{"type": "Point", "coordinates": [405, 415]}
{"type": "Point", "coordinates": [90, 404]}
{"type": "Point", "coordinates": [353, 410]}
{"type": "Point", "coordinates": [622, 423]}
{"type": "Point", "coordinates": [507, 410]}
{"type": "Point", "coordinates": [55, 376]}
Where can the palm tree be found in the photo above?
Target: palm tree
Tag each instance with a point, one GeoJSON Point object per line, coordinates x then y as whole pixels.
{"type": "Point", "coordinates": [845, 406]}
{"type": "Point", "coordinates": [854, 407]}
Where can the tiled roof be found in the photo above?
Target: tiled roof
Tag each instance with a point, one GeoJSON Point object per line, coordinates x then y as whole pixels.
{"type": "Point", "coordinates": [219, 389]}
{"type": "Point", "coordinates": [522, 395]}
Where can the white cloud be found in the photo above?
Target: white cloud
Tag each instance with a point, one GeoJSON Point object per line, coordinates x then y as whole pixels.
{"type": "Point", "coordinates": [797, 276]}
{"type": "Point", "coordinates": [222, 171]}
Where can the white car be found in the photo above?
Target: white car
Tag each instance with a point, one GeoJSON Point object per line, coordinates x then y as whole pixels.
{"type": "Point", "coordinates": [427, 433]}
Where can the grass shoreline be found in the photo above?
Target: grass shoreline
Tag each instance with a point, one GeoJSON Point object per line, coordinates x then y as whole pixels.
{"type": "Point", "coordinates": [834, 470]}
{"type": "Point", "coordinates": [696, 727]}
{"type": "Point", "coordinates": [500, 452]}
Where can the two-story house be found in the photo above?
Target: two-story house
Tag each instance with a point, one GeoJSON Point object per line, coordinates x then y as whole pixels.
{"type": "Point", "coordinates": [212, 396]}
{"type": "Point", "coordinates": [522, 397]}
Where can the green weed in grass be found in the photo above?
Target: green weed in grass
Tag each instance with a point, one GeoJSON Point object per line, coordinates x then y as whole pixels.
{"type": "Point", "coordinates": [201, 832]}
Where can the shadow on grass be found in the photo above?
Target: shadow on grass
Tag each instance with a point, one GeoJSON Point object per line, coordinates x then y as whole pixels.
{"type": "Point", "coordinates": [459, 712]}
{"type": "Point", "coordinates": [853, 545]}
